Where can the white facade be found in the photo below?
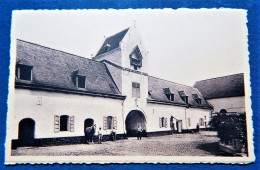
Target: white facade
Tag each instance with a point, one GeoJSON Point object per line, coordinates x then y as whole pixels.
{"type": "Point", "coordinates": [230, 104]}
{"type": "Point", "coordinates": [46, 108]}
{"type": "Point", "coordinates": [43, 110]}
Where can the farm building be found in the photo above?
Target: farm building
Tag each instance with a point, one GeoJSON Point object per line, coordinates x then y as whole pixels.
{"type": "Point", "coordinates": [57, 95]}
{"type": "Point", "coordinates": [226, 94]}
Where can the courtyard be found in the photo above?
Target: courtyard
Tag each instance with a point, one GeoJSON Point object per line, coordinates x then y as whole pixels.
{"type": "Point", "coordinates": [204, 143]}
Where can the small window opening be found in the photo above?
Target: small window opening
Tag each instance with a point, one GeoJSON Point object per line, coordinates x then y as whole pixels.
{"type": "Point", "coordinates": [196, 98]}
{"type": "Point", "coordinates": [189, 122]}
{"type": "Point", "coordinates": [184, 97]}
{"type": "Point", "coordinates": [81, 81]}
{"type": "Point", "coordinates": [170, 96]}
{"type": "Point", "coordinates": [135, 90]}
{"type": "Point", "coordinates": [24, 72]}
{"type": "Point", "coordinates": [64, 122]}
{"type": "Point", "coordinates": [109, 122]}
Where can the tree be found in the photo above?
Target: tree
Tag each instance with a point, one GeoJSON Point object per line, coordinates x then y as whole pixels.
{"type": "Point", "coordinates": [230, 127]}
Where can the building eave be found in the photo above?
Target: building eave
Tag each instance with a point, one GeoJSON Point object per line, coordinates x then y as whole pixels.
{"type": "Point", "coordinates": [165, 103]}
{"type": "Point", "coordinates": [19, 85]}
{"type": "Point", "coordinates": [176, 104]}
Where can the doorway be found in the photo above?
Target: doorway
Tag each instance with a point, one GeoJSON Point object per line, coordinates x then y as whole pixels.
{"type": "Point", "coordinates": [26, 132]}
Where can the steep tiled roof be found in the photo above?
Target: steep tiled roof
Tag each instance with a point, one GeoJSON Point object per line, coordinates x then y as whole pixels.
{"type": "Point", "coordinates": [113, 42]}
{"type": "Point", "coordinates": [221, 87]}
{"type": "Point", "coordinates": [57, 69]}
{"type": "Point", "coordinates": [156, 92]}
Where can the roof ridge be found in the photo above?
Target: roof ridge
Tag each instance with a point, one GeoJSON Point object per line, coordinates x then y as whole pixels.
{"type": "Point", "coordinates": [60, 51]}
{"type": "Point", "coordinates": [170, 81]}
{"type": "Point", "coordinates": [117, 33]}
{"type": "Point", "coordinates": [220, 77]}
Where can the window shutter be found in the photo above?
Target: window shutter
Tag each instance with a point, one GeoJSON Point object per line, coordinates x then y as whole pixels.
{"type": "Point", "coordinates": [165, 122]}
{"type": "Point", "coordinates": [160, 122]}
{"type": "Point", "coordinates": [105, 123]}
{"type": "Point", "coordinates": [56, 124]}
{"type": "Point", "coordinates": [115, 122]}
{"type": "Point", "coordinates": [72, 123]}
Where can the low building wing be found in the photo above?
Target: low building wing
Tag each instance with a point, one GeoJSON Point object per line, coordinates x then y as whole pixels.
{"type": "Point", "coordinates": [60, 70]}
{"type": "Point", "coordinates": [222, 87]}
{"type": "Point", "coordinates": [159, 88]}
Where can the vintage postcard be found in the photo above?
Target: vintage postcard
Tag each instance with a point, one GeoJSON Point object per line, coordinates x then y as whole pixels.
{"type": "Point", "coordinates": [129, 86]}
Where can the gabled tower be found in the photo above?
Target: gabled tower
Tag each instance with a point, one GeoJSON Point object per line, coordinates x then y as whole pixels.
{"type": "Point", "coordinates": [125, 49]}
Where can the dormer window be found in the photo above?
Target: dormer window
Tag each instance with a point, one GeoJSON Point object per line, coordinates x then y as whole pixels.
{"type": "Point", "coordinates": [81, 81]}
{"type": "Point", "coordinates": [184, 97]}
{"type": "Point", "coordinates": [169, 94]}
{"type": "Point", "coordinates": [196, 98]}
{"type": "Point", "coordinates": [24, 70]}
{"type": "Point", "coordinates": [136, 58]}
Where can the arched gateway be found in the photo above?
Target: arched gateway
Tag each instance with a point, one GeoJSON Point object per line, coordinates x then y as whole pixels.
{"type": "Point", "coordinates": [134, 119]}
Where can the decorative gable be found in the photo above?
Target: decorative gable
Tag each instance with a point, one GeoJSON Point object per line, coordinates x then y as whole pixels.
{"type": "Point", "coordinates": [136, 58]}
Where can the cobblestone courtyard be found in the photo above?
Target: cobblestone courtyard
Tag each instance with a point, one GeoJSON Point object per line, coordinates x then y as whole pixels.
{"type": "Point", "coordinates": [203, 144]}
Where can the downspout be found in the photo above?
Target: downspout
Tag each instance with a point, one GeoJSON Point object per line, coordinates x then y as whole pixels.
{"type": "Point", "coordinates": [123, 116]}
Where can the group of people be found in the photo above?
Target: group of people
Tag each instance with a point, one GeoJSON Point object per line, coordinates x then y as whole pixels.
{"type": "Point", "coordinates": [113, 134]}
{"type": "Point", "coordinates": [100, 135]}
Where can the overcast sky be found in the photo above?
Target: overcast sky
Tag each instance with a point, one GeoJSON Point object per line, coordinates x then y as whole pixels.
{"type": "Point", "coordinates": [184, 45]}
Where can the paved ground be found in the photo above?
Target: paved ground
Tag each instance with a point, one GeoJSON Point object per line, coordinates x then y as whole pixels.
{"type": "Point", "coordinates": [203, 144]}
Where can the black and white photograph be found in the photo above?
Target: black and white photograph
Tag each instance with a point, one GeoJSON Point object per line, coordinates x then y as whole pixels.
{"type": "Point", "coordinates": [129, 86]}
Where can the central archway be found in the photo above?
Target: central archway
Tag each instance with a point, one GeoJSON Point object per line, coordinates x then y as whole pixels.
{"type": "Point", "coordinates": [134, 119]}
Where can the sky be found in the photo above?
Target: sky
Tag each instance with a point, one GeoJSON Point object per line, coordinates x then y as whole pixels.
{"type": "Point", "coordinates": [184, 45]}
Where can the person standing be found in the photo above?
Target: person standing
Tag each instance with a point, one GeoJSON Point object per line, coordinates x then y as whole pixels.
{"type": "Point", "coordinates": [100, 136]}
{"type": "Point", "coordinates": [139, 132]}
{"type": "Point", "coordinates": [198, 128]}
{"type": "Point", "coordinates": [113, 133]}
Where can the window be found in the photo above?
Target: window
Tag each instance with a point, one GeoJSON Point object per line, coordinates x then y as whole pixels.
{"type": "Point", "coordinates": [24, 72]}
{"type": "Point", "coordinates": [163, 122]}
{"type": "Point", "coordinates": [169, 94]}
{"type": "Point", "coordinates": [63, 123]}
{"type": "Point", "coordinates": [201, 122]}
{"type": "Point", "coordinates": [81, 81]}
{"type": "Point", "coordinates": [109, 122]}
{"type": "Point", "coordinates": [196, 98]}
{"type": "Point", "coordinates": [189, 122]}
{"type": "Point", "coordinates": [136, 58]}
{"type": "Point", "coordinates": [184, 97]}
{"type": "Point", "coordinates": [136, 90]}
{"type": "Point", "coordinates": [198, 101]}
